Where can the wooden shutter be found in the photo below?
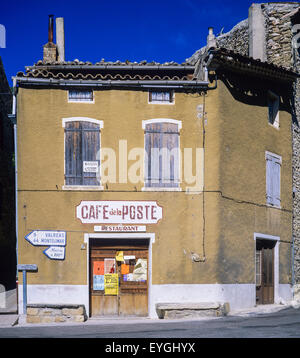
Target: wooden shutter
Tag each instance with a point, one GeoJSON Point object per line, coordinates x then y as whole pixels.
{"type": "Point", "coordinates": [162, 169]}
{"type": "Point", "coordinates": [73, 154]}
{"type": "Point", "coordinates": [273, 174]}
{"type": "Point", "coordinates": [276, 181]}
{"type": "Point", "coordinates": [269, 175]}
{"type": "Point", "coordinates": [82, 143]}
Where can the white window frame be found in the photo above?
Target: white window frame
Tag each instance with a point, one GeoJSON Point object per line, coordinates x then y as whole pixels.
{"type": "Point", "coordinates": [162, 120]}
{"type": "Point", "coordinates": [274, 98]}
{"type": "Point", "coordinates": [81, 187]}
{"type": "Point", "coordinates": [279, 158]}
{"type": "Point", "coordinates": [162, 103]}
{"type": "Point", "coordinates": [72, 101]}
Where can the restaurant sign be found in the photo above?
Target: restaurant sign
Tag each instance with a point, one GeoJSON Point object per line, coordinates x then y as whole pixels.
{"type": "Point", "coordinates": [119, 212]}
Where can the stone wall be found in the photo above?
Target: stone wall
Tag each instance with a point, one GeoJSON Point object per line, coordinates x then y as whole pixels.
{"type": "Point", "coordinates": [55, 313]}
{"type": "Point", "coordinates": [237, 39]}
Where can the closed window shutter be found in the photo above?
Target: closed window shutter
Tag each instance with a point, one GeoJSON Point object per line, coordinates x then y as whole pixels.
{"type": "Point", "coordinates": [73, 154]}
{"type": "Point", "coordinates": [273, 173]}
{"type": "Point", "coordinates": [276, 182]}
{"type": "Point", "coordinates": [82, 143]}
{"type": "Point", "coordinates": [162, 160]}
{"type": "Point", "coordinates": [91, 146]}
{"type": "Point", "coordinates": [269, 181]}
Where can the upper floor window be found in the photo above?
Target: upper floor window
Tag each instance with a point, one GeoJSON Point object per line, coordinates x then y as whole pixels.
{"type": "Point", "coordinates": [273, 104]}
{"type": "Point", "coordinates": [273, 177]}
{"type": "Point", "coordinates": [162, 148]}
{"type": "Point", "coordinates": [80, 96]}
{"type": "Point", "coordinates": [82, 152]}
{"type": "Point", "coordinates": [162, 97]}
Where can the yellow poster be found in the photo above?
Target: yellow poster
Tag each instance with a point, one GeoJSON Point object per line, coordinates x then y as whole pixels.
{"type": "Point", "coordinates": [120, 256]}
{"type": "Point", "coordinates": [111, 284]}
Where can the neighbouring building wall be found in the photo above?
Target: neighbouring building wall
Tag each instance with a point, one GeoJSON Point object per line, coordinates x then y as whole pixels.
{"type": "Point", "coordinates": [7, 202]}
{"type": "Point", "coordinates": [278, 50]}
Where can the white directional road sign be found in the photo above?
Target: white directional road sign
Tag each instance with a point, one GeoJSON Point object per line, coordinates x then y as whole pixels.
{"type": "Point", "coordinates": [47, 238]}
{"type": "Point", "coordinates": [55, 253]}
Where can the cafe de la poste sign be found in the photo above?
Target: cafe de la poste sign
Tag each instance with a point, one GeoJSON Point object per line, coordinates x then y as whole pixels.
{"type": "Point", "coordinates": [119, 212]}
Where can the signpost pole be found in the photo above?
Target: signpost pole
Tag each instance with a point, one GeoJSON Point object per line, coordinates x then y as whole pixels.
{"type": "Point", "coordinates": [24, 269]}
{"type": "Point", "coordinates": [24, 293]}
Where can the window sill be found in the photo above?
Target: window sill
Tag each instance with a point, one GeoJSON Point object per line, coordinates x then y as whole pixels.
{"type": "Point", "coordinates": [276, 126]}
{"type": "Point", "coordinates": [85, 102]}
{"type": "Point", "coordinates": [163, 103]}
{"type": "Point", "coordinates": [83, 187]}
{"type": "Point", "coordinates": [274, 206]}
{"type": "Point", "coordinates": [162, 189]}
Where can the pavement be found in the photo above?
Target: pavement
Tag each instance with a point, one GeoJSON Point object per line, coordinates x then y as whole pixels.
{"type": "Point", "coordinates": [10, 319]}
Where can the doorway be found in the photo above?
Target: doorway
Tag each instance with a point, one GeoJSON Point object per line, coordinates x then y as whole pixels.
{"type": "Point", "coordinates": [119, 277]}
{"type": "Point", "coordinates": [265, 282]}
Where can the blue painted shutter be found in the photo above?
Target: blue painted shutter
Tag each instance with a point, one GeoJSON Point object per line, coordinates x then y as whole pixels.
{"type": "Point", "coordinates": [273, 174]}
{"type": "Point", "coordinates": [162, 168]}
{"type": "Point", "coordinates": [276, 181]}
{"type": "Point", "coordinates": [82, 143]}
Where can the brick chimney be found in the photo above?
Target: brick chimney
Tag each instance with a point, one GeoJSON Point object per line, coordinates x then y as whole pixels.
{"type": "Point", "coordinates": [50, 49]}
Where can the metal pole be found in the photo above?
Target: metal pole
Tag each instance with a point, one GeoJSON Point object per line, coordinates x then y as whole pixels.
{"type": "Point", "coordinates": [24, 293]}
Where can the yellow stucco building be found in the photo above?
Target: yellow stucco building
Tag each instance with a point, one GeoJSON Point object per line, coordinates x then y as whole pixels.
{"type": "Point", "coordinates": [146, 183]}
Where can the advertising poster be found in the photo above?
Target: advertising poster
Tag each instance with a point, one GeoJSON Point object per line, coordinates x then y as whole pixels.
{"type": "Point", "coordinates": [111, 284]}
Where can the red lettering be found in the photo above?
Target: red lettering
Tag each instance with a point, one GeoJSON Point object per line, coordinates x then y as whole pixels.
{"type": "Point", "coordinates": [92, 212]}
{"type": "Point", "coordinates": [83, 215]}
{"type": "Point", "coordinates": [139, 212]}
{"type": "Point", "coordinates": [105, 211]}
{"type": "Point", "coordinates": [98, 211]}
{"type": "Point", "coordinates": [147, 207]}
{"type": "Point", "coordinates": [124, 211]}
{"type": "Point", "coordinates": [132, 212]}
{"type": "Point", "coordinates": [153, 211]}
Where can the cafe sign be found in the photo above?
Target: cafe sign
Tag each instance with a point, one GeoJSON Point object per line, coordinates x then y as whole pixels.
{"type": "Point", "coordinates": [119, 212]}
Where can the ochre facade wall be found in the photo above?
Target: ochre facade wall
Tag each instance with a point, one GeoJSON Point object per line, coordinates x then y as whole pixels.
{"type": "Point", "coordinates": [218, 224]}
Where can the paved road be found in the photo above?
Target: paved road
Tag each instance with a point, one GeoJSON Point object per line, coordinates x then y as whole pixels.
{"type": "Point", "coordinates": [282, 324]}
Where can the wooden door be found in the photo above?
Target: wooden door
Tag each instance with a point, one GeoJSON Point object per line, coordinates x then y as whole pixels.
{"type": "Point", "coordinates": [265, 272]}
{"type": "Point", "coordinates": [131, 297]}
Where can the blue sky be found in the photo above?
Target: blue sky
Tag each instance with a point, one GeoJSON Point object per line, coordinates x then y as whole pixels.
{"type": "Point", "coordinates": [134, 30]}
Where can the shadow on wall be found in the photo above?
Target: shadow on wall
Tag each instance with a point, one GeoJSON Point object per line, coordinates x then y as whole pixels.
{"type": "Point", "coordinates": [252, 92]}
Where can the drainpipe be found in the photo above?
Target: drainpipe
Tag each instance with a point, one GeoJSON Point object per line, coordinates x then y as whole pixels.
{"type": "Point", "coordinates": [14, 113]}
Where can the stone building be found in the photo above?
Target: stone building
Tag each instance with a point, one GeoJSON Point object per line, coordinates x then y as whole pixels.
{"type": "Point", "coordinates": [7, 194]}
{"type": "Point", "coordinates": [128, 198]}
{"type": "Point", "coordinates": [270, 35]}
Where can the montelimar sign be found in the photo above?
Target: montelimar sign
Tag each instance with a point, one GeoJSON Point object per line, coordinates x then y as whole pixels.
{"type": "Point", "coordinates": [47, 238]}
{"type": "Point", "coordinates": [119, 212]}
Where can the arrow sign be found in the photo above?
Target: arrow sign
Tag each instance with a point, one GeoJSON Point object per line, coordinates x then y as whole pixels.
{"type": "Point", "coordinates": [55, 253]}
{"type": "Point", "coordinates": [47, 238]}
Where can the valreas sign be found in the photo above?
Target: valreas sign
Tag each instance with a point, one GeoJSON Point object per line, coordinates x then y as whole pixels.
{"type": "Point", "coordinates": [119, 212]}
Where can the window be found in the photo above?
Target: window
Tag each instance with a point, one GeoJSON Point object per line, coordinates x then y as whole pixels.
{"type": "Point", "coordinates": [82, 156]}
{"type": "Point", "coordinates": [273, 104]}
{"type": "Point", "coordinates": [163, 97]}
{"type": "Point", "coordinates": [162, 154]}
{"type": "Point", "coordinates": [81, 96]}
{"type": "Point", "coordinates": [273, 169]}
